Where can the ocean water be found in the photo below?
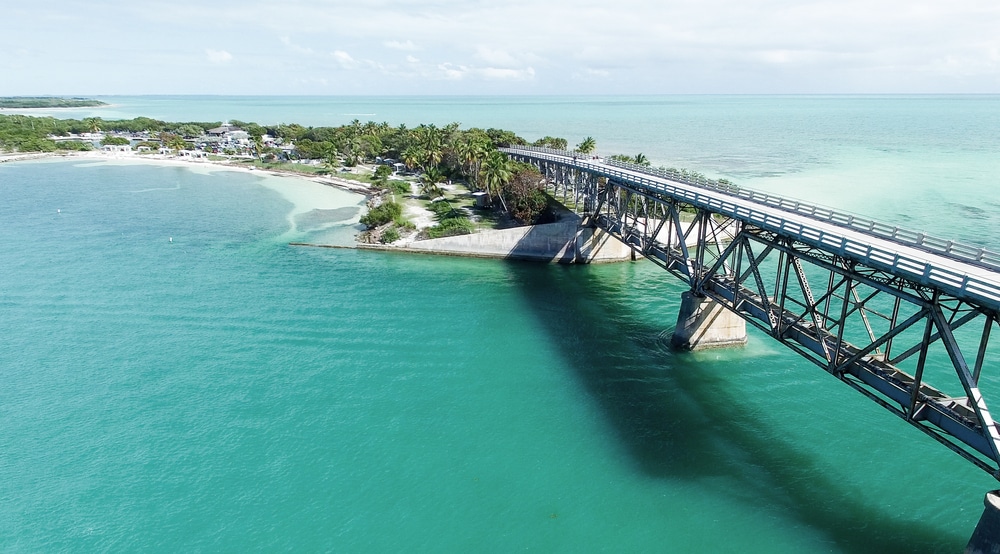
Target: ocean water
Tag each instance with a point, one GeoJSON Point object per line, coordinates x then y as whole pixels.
{"type": "Point", "coordinates": [176, 377]}
{"type": "Point", "coordinates": [915, 160]}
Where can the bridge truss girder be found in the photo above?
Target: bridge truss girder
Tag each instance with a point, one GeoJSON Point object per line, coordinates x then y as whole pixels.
{"type": "Point", "coordinates": [878, 333]}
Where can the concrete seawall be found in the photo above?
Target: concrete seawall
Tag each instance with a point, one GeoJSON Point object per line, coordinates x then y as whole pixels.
{"type": "Point", "coordinates": [563, 242]}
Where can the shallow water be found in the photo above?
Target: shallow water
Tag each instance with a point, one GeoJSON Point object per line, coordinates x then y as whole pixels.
{"type": "Point", "coordinates": [224, 390]}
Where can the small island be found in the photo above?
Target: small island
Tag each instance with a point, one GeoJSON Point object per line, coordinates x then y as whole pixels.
{"type": "Point", "coordinates": [425, 182]}
{"type": "Point", "coordinates": [29, 102]}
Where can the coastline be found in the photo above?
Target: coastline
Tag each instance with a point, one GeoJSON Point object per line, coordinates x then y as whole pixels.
{"type": "Point", "coordinates": [312, 198]}
{"type": "Point", "coordinates": [316, 198]}
{"type": "Point", "coordinates": [163, 160]}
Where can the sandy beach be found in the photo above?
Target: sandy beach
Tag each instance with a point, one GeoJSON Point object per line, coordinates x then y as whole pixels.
{"type": "Point", "coordinates": [314, 199]}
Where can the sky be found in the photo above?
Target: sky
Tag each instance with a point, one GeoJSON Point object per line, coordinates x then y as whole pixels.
{"type": "Point", "coordinates": [478, 47]}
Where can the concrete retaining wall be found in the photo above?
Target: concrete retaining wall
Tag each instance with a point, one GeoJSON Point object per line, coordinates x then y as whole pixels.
{"type": "Point", "coordinates": [562, 242]}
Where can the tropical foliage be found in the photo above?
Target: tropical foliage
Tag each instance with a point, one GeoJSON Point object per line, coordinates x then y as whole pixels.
{"type": "Point", "coordinates": [435, 153]}
{"type": "Point", "coordinates": [638, 159]}
{"type": "Point", "coordinates": [587, 146]}
{"type": "Point", "coordinates": [47, 102]}
{"type": "Point", "coordinates": [384, 213]}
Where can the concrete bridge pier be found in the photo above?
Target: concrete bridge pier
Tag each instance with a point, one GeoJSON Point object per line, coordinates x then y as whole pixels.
{"type": "Point", "coordinates": [986, 538]}
{"type": "Point", "coordinates": [702, 323]}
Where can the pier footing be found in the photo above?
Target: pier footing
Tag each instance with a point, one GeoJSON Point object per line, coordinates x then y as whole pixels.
{"type": "Point", "coordinates": [702, 323]}
{"type": "Point", "coordinates": [986, 538]}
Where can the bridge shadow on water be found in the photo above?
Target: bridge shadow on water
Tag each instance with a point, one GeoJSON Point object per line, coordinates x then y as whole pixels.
{"type": "Point", "coordinates": [676, 422]}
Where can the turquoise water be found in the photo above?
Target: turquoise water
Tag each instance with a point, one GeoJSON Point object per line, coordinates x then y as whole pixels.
{"type": "Point", "coordinates": [914, 160]}
{"type": "Point", "coordinates": [176, 377]}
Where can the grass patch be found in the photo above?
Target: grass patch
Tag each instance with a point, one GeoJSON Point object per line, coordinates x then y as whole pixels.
{"type": "Point", "coordinates": [449, 228]}
{"type": "Point", "coordinates": [451, 221]}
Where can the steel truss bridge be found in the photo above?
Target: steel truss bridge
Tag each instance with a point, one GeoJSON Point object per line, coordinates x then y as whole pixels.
{"type": "Point", "coordinates": [882, 309]}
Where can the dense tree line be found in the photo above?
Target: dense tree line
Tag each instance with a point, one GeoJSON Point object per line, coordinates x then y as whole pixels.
{"type": "Point", "coordinates": [47, 102]}
{"type": "Point", "coordinates": [436, 153]}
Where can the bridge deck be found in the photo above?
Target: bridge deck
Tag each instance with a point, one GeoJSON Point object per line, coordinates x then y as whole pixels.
{"type": "Point", "coordinates": [959, 278]}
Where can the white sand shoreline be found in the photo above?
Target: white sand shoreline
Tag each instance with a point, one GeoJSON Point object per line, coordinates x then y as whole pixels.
{"type": "Point", "coordinates": [306, 193]}
{"type": "Point", "coordinates": [159, 159]}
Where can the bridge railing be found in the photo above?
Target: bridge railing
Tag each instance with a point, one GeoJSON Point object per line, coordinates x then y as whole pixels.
{"type": "Point", "coordinates": [974, 255]}
{"type": "Point", "coordinates": [957, 283]}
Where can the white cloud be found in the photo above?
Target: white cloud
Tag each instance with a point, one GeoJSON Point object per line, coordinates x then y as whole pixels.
{"type": "Point", "coordinates": [588, 75]}
{"type": "Point", "coordinates": [344, 59]}
{"type": "Point", "coordinates": [669, 46]}
{"type": "Point", "coordinates": [296, 48]}
{"type": "Point", "coordinates": [453, 72]}
{"type": "Point", "coordinates": [407, 46]}
{"type": "Point", "coordinates": [218, 56]}
{"type": "Point", "coordinates": [496, 57]}
{"type": "Point", "coordinates": [503, 74]}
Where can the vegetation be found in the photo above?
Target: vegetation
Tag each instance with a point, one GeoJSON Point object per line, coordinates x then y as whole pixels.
{"type": "Point", "coordinates": [390, 235]}
{"type": "Point", "coordinates": [551, 142]}
{"type": "Point", "coordinates": [115, 141]}
{"type": "Point", "coordinates": [451, 221]}
{"type": "Point", "coordinates": [47, 102]}
{"type": "Point", "coordinates": [587, 146]}
{"type": "Point", "coordinates": [638, 159]}
{"type": "Point", "coordinates": [527, 202]}
{"type": "Point", "coordinates": [384, 213]}
{"type": "Point", "coordinates": [434, 154]}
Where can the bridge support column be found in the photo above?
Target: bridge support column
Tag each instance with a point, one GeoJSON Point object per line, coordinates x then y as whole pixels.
{"type": "Point", "coordinates": [702, 323]}
{"type": "Point", "coordinates": [986, 538]}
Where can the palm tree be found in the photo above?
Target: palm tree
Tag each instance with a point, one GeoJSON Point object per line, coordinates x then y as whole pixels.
{"type": "Point", "coordinates": [94, 124]}
{"type": "Point", "coordinates": [352, 150]}
{"type": "Point", "coordinates": [471, 151]}
{"type": "Point", "coordinates": [587, 146]}
{"type": "Point", "coordinates": [640, 159]}
{"type": "Point", "coordinates": [430, 140]}
{"type": "Point", "coordinates": [497, 172]}
{"type": "Point", "coordinates": [176, 143]}
{"type": "Point", "coordinates": [258, 147]}
{"type": "Point", "coordinates": [413, 156]}
{"type": "Point", "coordinates": [381, 176]}
{"type": "Point", "coordinates": [429, 182]}
{"type": "Point", "coordinates": [331, 158]}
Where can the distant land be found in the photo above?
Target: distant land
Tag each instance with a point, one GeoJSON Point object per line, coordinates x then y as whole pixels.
{"type": "Point", "coordinates": [47, 102]}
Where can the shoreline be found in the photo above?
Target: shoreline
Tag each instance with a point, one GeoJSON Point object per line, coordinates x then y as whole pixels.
{"type": "Point", "coordinates": [554, 242]}
{"type": "Point", "coordinates": [307, 194]}
{"type": "Point", "coordinates": [161, 159]}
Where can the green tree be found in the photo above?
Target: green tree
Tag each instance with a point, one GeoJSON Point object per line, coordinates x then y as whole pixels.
{"type": "Point", "coordinates": [381, 176]}
{"type": "Point", "coordinates": [413, 156]}
{"type": "Point", "coordinates": [382, 214]}
{"type": "Point", "coordinates": [587, 146]}
{"type": "Point", "coordinates": [93, 124]}
{"type": "Point", "coordinates": [551, 142]}
{"type": "Point", "coordinates": [430, 182]}
{"type": "Point", "coordinates": [258, 147]}
{"type": "Point", "coordinates": [500, 137]}
{"type": "Point", "coordinates": [331, 157]}
{"type": "Point", "coordinates": [174, 142]}
{"type": "Point", "coordinates": [527, 200]}
{"type": "Point", "coordinates": [470, 152]}
{"type": "Point", "coordinates": [497, 172]}
{"type": "Point", "coordinates": [115, 141]}
{"type": "Point", "coordinates": [189, 130]}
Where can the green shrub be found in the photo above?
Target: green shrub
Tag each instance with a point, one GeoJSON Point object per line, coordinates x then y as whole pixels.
{"type": "Point", "coordinates": [403, 223]}
{"type": "Point", "coordinates": [391, 234]}
{"type": "Point", "coordinates": [115, 141]}
{"type": "Point", "coordinates": [399, 187]}
{"type": "Point", "coordinates": [450, 227]}
{"type": "Point", "coordinates": [74, 146]}
{"type": "Point", "coordinates": [382, 214]}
